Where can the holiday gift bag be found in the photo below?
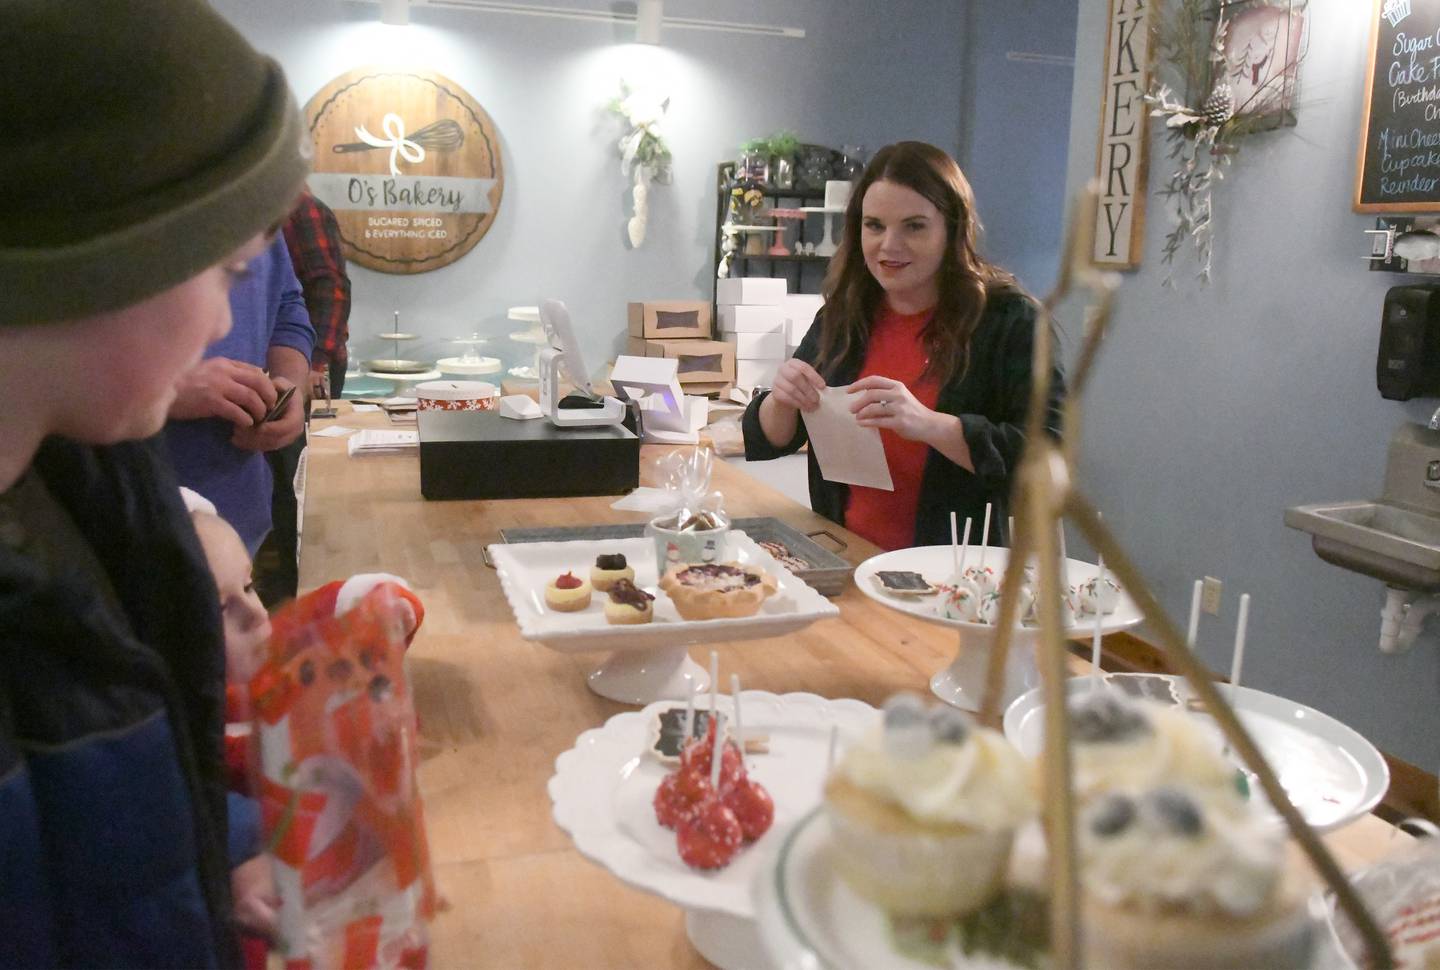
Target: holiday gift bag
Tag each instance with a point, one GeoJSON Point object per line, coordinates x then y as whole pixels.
{"type": "Point", "coordinates": [334, 769]}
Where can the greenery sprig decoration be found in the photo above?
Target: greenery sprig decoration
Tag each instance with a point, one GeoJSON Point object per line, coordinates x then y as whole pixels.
{"type": "Point", "coordinates": [779, 144]}
{"type": "Point", "coordinates": [644, 155]}
{"type": "Point", "coordinates": [1203, 139]}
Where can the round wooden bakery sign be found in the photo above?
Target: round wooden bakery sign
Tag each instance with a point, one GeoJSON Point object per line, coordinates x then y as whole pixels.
{"type": "Point", "coordinates": [410, 163]}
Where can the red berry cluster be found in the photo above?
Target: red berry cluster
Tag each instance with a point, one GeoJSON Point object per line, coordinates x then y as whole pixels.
{"type": "Point", "coordinates": [710, 825]}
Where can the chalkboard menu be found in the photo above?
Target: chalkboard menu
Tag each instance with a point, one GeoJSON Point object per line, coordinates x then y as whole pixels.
{"type": "Point", "coordinates": [1400, 139]}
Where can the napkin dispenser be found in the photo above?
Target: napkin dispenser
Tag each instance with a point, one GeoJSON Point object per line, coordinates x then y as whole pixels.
{"type": "Point", "coordinates": [481, 455]}
{"type": "Point", "coordinates": [1409, 361]}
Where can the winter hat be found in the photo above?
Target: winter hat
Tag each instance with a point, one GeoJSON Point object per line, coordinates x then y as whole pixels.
{"type": "Point", "coordinates": [144, 141]}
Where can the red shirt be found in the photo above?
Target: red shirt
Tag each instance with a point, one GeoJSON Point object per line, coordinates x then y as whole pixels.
{"type": "Point", "coordinates": [895, 350]}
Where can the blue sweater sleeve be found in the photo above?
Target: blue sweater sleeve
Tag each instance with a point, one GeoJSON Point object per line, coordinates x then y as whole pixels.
{"type": "Point", "coordinates": [243, 815]}
{"type": "Point", "coordinates": [292, 320]}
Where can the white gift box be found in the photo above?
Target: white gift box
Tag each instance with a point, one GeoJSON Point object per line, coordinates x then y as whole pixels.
{"type": "Point", "coordinates": [751, 319]}
{"type": "Point", "coordinates": [799, 311]}
{"type": "Point", "coordinates": [757, 346]}
{"type": "Point", "coordinates": [754, 290]}
{"type": "Point", "coordinates": [756, 373]}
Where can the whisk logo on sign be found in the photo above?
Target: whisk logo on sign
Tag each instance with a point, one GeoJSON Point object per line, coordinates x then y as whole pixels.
{"type": "Point", "coordinates": [410, 163]}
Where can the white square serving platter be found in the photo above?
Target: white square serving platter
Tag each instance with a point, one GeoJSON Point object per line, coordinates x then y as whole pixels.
{"type": "Point", "coordinates": [525, 569]}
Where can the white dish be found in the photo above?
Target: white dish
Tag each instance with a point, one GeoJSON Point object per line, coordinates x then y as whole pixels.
{"type": "Point", "coordinates": [1332, 774]}
{"type": "Point", "coordinates": [809, 918]}
{"type": "Point", "coordinates": [603, 786]}
{"type": "Point", "coordinates": [525, 568]}
{"type": "Point", "coordinates": [936, 563]}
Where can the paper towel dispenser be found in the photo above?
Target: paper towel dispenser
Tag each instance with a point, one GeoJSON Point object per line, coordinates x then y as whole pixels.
{"type": "Point", "coordinates": [1409, 361]}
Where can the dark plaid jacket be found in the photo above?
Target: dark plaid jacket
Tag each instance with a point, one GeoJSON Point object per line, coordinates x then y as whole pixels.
{"type": "Point", "coordinates": [989, 398]}
{"type": "Point", "coordinates": [313, 238]}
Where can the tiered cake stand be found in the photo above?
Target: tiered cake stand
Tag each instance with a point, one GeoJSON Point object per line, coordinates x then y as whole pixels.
{"type": "Point", "coordinates": [470, 363]}
{"type": "Point", "coordinates": [962, 684]}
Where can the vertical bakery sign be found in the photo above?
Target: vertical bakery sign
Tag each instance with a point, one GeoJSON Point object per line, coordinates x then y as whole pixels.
{"type": "Point", "coordinates": [410, 163]}
{"type": "Point", "coordinates": [1121, 167]}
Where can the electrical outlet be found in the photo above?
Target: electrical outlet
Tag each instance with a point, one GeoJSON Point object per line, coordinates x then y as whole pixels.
{"type": "Point", "coordinates": [1210, 596]}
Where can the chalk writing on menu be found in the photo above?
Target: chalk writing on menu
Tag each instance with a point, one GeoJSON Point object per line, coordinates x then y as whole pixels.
{"type": "Point", "coordinates": [1399, 168]}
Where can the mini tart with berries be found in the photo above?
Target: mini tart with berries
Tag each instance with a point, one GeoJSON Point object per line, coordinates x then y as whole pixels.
{"type": "Point", "coordinates": [609, 569]}
{"type": "Point", "coordinates": [711, 590]}
{"type": "Point", "coordinates": [567, 593]}
{"type": "Point", "coordinates": [628, 603]}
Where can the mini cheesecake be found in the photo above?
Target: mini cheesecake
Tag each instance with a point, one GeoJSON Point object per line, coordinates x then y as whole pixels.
{"type": "Point", "coordinates": [567, 593]}
{"type": "Point", "coordinates": [608, 570]}
{"type": "Point", "coordinates": [628, 604]}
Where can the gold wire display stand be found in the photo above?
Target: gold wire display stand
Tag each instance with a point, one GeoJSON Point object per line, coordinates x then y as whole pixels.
{"type": "Point", "coordinates": [1046, 493]}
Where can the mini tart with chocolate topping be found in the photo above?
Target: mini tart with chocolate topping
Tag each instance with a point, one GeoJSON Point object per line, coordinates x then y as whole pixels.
{"type": "Point", "coordinates": [707, 591]}
{"type": "Point", "coordinates": [567, 593]}
{"type": "Point", "coordinates": [628, 603]}
{"type": "Point", "coordinates": [608, 569]}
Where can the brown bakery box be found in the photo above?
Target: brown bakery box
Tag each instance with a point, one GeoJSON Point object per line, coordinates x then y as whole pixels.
{"type": "Point", "coordinates": [701, 361]}
{"type": "Point", "coordinates": [671, 319]}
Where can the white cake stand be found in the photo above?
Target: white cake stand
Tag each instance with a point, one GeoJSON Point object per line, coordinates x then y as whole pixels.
{"type": "Point", "coordinates": [827, 245]}
{"type": "Point", "coordinates": [404, 382]}
{"type": "Point", "coordinates": [603, 789]}
{"type": "Point", "coordinates": [962, 684]}
{"type": "Point", "coordinates": [534, 337]}
{"type": "Point", "coordinates": [651, 661]}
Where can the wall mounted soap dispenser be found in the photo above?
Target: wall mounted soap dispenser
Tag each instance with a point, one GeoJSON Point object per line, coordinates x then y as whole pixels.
{"type": "Point", "coordinates": [1409, 361]}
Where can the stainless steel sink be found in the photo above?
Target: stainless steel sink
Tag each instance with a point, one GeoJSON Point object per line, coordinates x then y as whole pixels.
{"type": "Point", "coordinates": [1399, 546]}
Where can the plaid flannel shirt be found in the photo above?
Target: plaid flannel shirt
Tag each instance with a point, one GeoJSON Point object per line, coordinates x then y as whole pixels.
{"type": "Point", "coordinates": [313, 238]}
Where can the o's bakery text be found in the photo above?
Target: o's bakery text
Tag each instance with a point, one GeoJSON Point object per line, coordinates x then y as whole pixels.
{"type": "Point", "coordinates": [402, 194]}
{"type": "Point", "coordinates": [384, 193]}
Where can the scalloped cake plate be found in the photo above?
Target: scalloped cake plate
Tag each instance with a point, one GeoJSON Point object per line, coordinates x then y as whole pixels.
{"type": "Point", "coordinates": [936, 563]}
{"type": "Point", "coordinates": [525, 569]}
{"type": "Point", "coordinates": [603, 787]}
{"type": "Point", "coordinates": [1332, 774]}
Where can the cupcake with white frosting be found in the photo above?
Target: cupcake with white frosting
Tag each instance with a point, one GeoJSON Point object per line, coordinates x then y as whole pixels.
{"type": "Point", "coordinates": [1171, 882]}
{"type": "Point", "coordinates": [1123, 744]}
{"type": "Point", "coordinates": [924, 811]}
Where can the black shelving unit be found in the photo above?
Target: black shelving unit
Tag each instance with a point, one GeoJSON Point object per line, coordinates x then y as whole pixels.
{"type": "Point", "coordinates": [804, 273]}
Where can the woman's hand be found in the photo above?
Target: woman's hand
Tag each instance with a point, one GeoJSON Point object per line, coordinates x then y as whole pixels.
{"type": "Point", "coordinates": [797, 386]}
{"type": "Point", "coordinates": [880, 402]}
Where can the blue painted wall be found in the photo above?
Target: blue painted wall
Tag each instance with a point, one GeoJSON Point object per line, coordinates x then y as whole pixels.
{"type": "Point", "coordinates": [866, 73]}
{"type": "Point", "coordinates": [1215, 408]}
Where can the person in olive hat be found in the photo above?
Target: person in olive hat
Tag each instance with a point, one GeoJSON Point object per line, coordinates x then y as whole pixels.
{"type": "Point", "coordinates": [147, 150]}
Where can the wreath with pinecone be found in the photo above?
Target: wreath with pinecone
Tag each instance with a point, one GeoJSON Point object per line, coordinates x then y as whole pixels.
{"type": "Point", "coordinates": [1202, 140]}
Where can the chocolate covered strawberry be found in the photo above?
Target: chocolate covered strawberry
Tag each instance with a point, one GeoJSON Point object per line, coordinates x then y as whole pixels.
{"type": "Point", "coordinates": [752, 805]}
{"type": "Point", "coordinates": [710, 837]}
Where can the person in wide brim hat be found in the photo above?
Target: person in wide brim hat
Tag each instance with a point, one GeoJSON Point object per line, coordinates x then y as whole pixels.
{"type": "Point", "coordinates": [148, 151]}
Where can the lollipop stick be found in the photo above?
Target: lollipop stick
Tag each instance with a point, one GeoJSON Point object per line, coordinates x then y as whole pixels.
{"type": "Point", "coordinates": [717, 752]}
{"type": "Point", "coordinates": [689, 718]}
{"type": "Point", "coordinates": [1238, 660]}
{"type": "Point", "coordinates": [739, 725]}
{"type": "Point", "coordinates": [1192, 630]}
{"type": "Point", "coordinates": [985, 536]}
{"type": "Point", "coordinates": [954, 545]}
{"type": "Point", "coordinates": [714, 679]}
{"type": "Point", "coordinates": [964, 552]}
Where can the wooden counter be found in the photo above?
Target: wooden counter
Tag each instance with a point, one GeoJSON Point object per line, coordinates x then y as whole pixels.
{"type": "Point", "coordinates": [495, 710]}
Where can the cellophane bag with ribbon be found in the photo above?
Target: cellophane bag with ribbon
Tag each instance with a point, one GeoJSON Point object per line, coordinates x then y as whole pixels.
{"type": "Point", "coordinates": [333, 765]}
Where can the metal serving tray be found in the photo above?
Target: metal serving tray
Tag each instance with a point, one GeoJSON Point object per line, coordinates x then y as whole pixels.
{"type": "Point", "coordinates": [827, 573]}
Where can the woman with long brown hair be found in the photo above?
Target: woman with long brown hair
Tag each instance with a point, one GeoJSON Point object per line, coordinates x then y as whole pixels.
{"type": "Point", "coordinates": [933, 345]}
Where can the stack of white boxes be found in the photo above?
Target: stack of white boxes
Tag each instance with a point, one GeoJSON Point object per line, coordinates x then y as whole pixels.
{"type": "Point", "coordinates": [764, 323]}
{"type": "Point", "coordinates": [752, 318]}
